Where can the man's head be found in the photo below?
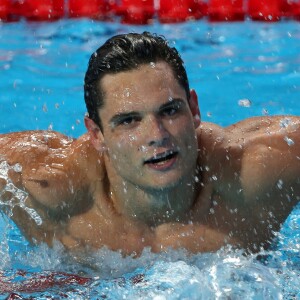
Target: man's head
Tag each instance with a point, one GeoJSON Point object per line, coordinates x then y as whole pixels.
{"type": "Point", "coordinates": [126, 52]}
{"type": "Point", "coordinates": [143, 117]}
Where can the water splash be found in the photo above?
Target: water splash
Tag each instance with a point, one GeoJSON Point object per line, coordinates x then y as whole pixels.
{"type": "Point", "coordinates": [172, 275]}
{"type": "Point", "coordinates": [285, 122]}
{"type": "Point", "coordinates": [19, 196]}
{"type": "Point", "coordinates": [244, 103]}
{"type": "Point", "coordinates": [289, 141]}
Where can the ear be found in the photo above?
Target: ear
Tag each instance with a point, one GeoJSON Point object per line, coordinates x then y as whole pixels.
{"type": "Point", "coordinates": [194, 107]}
{"type": "Point", "coordinates": [95, 134]}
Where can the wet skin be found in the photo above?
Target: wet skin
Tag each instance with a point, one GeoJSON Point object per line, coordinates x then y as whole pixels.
{"type": "Point", "coordinates": [150, 141]}
{"type": "Point", "coordinates": [155, 177]}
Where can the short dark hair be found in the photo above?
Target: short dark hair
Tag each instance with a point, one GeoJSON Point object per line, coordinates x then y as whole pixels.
{"type": "Point", "coordinates": [126, 52]}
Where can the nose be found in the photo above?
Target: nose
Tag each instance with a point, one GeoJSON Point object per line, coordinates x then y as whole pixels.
{"type": "Point", "coordinates": [157, 134]}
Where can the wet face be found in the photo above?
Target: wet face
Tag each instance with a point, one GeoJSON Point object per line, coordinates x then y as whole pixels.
{"type": "Point", "coordinates": [148, 127]}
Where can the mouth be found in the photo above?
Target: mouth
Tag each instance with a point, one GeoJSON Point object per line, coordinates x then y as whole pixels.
{"type": "Point", "coordinates": [163, 160]}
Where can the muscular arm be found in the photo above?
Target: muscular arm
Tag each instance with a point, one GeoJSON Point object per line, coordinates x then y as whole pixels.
{"type": "Point", "coordinates": [256, 171]}
{"type": "Point", "coordinates": [270, 174]}
{"type": "Point", "coordinates": [55, 172]}
{"type": "Point", "coordinates": [270, 162]}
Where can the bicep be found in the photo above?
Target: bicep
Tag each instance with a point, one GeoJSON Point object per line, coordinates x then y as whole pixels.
{"type": "Point", "coordinates": [270, 179]}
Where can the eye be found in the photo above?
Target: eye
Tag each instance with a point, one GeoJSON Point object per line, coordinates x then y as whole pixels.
{"type": "Point", "coordinates": [129, 120]}
{"type": "Point", "coordinates": [170, 111]}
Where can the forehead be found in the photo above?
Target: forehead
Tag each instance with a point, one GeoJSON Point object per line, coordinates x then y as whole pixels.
{"type": "Point", "coordinates": [130, 89]}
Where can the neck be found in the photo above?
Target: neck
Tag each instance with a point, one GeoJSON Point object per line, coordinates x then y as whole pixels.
{"type": "Point", "coordinates": [154, 206]}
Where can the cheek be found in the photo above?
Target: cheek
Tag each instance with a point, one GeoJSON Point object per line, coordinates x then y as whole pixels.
{"type": "Point", "coordinates": [132, 139]}
{"type": "Point", "coordinates": [182, 127]}
{"type": "Point", "coordinates": [187, 135]}
{"type": "Point", "coordinates": [123, 147]}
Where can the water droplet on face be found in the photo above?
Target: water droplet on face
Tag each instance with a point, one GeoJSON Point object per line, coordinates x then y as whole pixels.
{"type": "Point", "coordinates": [244, 103]}
{"type": "Point", "coordinates": [143, 148]}
{"type": "Point", "coordinates": [289, 141]}
{"type": "Point", "coordinates": [127, 92]}
{"type": "Point", "coordinates": [152, 65]}
{"type": "Point", "coordinates": [132, 137]}
{"type": "Point", "coordinates": [280, 184]}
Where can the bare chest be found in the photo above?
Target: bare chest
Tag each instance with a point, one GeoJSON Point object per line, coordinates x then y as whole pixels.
{"type": "Point", "coordinates": [93, 230]}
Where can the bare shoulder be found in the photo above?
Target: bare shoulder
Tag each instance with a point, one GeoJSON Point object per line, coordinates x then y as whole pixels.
{"type": "Point", "coordinates": [254, 170]}
{"type": "Point", "coordinates": [17, 142]}
{"type": "Point", "coordinates": [55, 168]}
{"type": "Point", "coordinates": [275, 139]}
{"type": "Point", "coordinates": [271, 151]}
{"type": "Point", "coordinates": [276, 132]}
{"type": "Point", "coordinates": [254, 146]}
{"type": "Point", "coordinates": [261, 128]}
{"type": "Point", "coordinates": [254, 156]}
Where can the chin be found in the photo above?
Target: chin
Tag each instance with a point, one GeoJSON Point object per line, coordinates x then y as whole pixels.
{"type": "Point", "coordinates": [167, 181]}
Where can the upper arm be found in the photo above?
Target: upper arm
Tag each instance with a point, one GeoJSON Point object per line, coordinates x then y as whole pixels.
{"type": "Point", "coordinates": [54, 169]}
{"type": "Point", "coordinates": [271, 157]}
{"type": "Point", "coordinates": [259, 177]}
{"type": "Point", "coordinates": [35, 154]}
{"type": "Point", "coordinates": [270, 173]}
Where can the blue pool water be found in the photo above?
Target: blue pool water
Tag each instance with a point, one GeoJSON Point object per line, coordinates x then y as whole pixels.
{"type": "Point", "coordinates": [238, 70]}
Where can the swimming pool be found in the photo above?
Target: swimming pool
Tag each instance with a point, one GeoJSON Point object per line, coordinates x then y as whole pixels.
{"type": "Point", "coordinates": [238, 69]}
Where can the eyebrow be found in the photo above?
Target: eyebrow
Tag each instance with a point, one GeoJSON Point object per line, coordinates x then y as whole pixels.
{"type": "Point", "coordinates": [172, 102]}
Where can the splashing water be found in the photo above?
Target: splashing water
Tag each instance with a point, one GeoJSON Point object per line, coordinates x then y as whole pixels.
{"type": "Point", "coordinates": [244, 103]}
{"type": "Point", "coordinates": [289, 141]}
{"type": "Point", "coordinates": [19, 196]}
{"type": "Point", "coordinates": [227, 274]}
{"type": "Point", "coordinates": [284, 123]}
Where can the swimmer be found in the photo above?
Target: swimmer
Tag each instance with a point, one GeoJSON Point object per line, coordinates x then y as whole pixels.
{"type": "Point", "coordinates": [148, 172]}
